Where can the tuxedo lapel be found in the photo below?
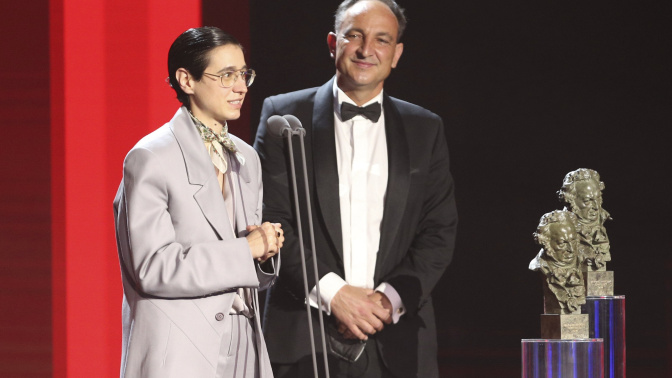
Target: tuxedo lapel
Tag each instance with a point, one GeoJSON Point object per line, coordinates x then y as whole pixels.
{"type": "Point", "coordinates": [201, 172]}
{"type": "Point", "coordinates": [325, 165]}
{"type": "Point", "coordinates": [398, 181]}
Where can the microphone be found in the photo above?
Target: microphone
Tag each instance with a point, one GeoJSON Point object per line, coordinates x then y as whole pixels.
{"type": "Point", "coordinates": [297, 129]}
{"type": "Point", "coordinates": [278, 125]}
{"type": "Point", "coordinates": [295, 124]}
{"type": "Point", "coordinates": [284, 127]}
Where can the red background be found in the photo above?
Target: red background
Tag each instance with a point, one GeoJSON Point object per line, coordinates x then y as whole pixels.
{"type": "Point", "coordinates": [84, 81]}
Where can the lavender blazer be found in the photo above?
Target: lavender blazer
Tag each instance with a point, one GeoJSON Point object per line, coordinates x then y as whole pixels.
{"type": "Point", "coordinates": [180, 257]}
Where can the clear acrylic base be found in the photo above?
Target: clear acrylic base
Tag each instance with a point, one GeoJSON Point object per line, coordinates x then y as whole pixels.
{"type": "Point", "coordinates": [606, 317]}
{"type": "Point", "coordinates": [553, 358]}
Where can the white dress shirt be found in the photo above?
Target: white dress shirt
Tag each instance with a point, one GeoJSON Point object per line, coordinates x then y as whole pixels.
{"type": "Point", "coordinates": [361, 155]}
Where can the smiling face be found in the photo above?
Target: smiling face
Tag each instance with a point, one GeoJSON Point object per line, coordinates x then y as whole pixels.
{"type": "Point", "coordinates": [588, 200]}
{"type": "Point", "coordinates": [365, 49]}
{"type": "Point", "coordinates": [209, 102]}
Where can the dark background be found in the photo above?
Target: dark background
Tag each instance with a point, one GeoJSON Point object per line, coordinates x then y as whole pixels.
{"type": "Point", "coordinates": [528, 92]}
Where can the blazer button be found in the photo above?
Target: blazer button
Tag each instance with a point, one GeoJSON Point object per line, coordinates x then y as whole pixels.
{"type": "Point", "coordinates": [219, 316]}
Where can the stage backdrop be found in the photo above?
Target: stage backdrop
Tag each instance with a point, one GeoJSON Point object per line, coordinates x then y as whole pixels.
{"type": "Point", "coordinates": [108, 89]}
{"type": "Point", "coordinates": [108, 72]}
{"type": "Point", "coordinates": [528, 92]}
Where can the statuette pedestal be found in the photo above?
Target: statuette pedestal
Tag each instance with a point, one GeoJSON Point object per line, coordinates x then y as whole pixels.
{"type": "Point", "coordinates": [606, 315]}
{"type": "Point", "coordinates": [564, 327]}
{"type": "Point", "coordinates": [599, 283]}
{"type": "Point", "coordinates": [542, 358]}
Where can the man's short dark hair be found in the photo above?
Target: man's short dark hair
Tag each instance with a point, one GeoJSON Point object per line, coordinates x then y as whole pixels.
{"type": "Point", "coordinates": [394, 7]}
{"type": "Point", "coordinates": [190, 51]}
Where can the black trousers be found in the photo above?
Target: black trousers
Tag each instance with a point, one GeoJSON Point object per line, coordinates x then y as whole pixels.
{"type": "Point", "coordinates": [369, 365]}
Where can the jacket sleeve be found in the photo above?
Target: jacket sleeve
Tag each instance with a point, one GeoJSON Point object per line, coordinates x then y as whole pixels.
{"type": "Point", "coordinates": [267, 272]}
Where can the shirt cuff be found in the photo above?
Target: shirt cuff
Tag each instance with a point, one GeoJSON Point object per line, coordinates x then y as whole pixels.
{"type": "Point", "coordinates": [398, 308]}
{"type": "Point", "coordinates": [330, 284]}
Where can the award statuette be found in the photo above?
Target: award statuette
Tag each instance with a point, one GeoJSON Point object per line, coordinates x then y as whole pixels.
{"type": "Point", "coordinates": [564, 289]}
{"type": "Point", "coordinates": [581, 192]}
{"type": "Point", "coordinates": [565, 349]}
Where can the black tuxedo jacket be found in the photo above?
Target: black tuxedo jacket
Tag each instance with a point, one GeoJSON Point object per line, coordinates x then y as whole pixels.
{"type": "Point", "coordinates": [417, 230]}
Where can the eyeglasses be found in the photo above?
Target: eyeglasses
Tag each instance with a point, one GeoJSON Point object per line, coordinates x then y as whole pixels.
{"type": "Point", "coordinates": [228, 79]}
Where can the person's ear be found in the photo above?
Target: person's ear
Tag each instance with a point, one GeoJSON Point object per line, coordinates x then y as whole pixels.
{"type": "Point", "coordinates": [185, 80]}
{"type": "Point", "coordinates": [331, 42]}
{"type": "Point", "coordinates": [398, 50]}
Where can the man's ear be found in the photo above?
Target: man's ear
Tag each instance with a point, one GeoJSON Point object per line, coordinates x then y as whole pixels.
{"type": "Point", "coordinates": [398, 50]}
{"type": "Point", "coordinates": [185, 80]}
{"type": "Point", "coordinates": [331, 42]}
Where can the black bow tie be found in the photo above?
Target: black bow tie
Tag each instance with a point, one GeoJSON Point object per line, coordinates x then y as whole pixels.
{"type": "Point", "coordinates": [371, 112]}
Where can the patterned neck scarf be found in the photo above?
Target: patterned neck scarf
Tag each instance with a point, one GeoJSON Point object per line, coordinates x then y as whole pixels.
{"type": "Point", "coordinates": [217, 144]}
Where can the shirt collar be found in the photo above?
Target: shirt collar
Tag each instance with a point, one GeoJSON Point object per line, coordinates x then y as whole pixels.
{"type": "Point", "coordinates": [340, 97]}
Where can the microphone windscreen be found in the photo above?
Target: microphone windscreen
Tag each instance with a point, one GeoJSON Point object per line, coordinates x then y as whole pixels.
{"type": "Point", "coordinates": [277, 125]}
{"type": "Point", "coordinates": [293, 122]}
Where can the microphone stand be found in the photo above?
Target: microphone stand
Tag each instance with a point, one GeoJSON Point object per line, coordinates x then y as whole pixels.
{"type": "Point", "coordinates": [303, 258]}
{"type": "Point", "coordinates": [302, 132]}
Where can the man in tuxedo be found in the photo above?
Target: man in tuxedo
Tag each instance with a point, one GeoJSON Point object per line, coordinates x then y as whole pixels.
{"type": "Point", "coordinates": [382, 202]}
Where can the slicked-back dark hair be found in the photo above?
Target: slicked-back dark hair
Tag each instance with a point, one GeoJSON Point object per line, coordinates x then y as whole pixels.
{"type": "Point", "coordinates": [394, 7]}
{"type": "Point", "coordinates": [190, 51]}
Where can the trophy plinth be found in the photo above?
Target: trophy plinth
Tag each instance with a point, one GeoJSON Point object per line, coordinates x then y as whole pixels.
{"type": "Point", "coordinates": [562, 358]}
{"type": "Point", "coordinates": [599, 283]}
{"type": "Point", "coordinates": [564, 327]}
{"type": "Point", "coordinates": [607, 321]}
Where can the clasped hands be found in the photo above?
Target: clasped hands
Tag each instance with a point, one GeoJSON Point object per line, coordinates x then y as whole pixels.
{"type": "Point", "coordinates": [360, 312]}
{"type": "Point", "coordinates": [265, 241]}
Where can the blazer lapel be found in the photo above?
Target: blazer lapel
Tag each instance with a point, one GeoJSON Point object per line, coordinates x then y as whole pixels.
{"type": "Point", "coordinates": [201, 172]}
{"type": "Point", "coordinates": [325, 165]}
{"type": "Point", "coordinates": [398, 181]}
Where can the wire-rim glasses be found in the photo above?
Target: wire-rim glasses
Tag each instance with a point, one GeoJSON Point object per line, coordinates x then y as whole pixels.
{"type": "Point", "coordinates": [228, 78]}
